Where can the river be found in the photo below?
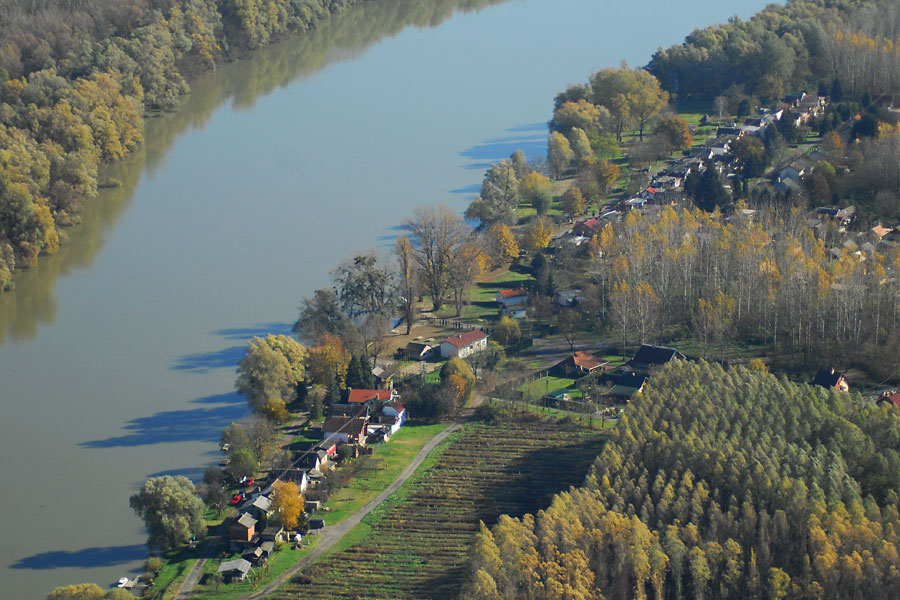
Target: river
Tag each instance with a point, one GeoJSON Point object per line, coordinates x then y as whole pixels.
{"type": "Point", "coordinates": [117, 355]}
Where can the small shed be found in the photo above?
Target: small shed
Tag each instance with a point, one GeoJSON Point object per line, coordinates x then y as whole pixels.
{"type": "Point", "coordinates": [272, 534]}
{"type": "Point", "coordinates": [235, 570]}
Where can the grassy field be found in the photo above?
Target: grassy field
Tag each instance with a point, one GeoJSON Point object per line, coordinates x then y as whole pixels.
{"type": "Point", "coordinates": [543, 386]}
{"type": "Point", "coordinates": [417, 545]}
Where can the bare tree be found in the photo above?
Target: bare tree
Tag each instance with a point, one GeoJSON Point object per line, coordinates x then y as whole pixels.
{"type": "Point", "coordinates": [437, 235]}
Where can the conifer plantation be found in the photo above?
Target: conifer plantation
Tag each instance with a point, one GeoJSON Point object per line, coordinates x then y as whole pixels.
{"type": "Point", "coordinates": [717, 484]}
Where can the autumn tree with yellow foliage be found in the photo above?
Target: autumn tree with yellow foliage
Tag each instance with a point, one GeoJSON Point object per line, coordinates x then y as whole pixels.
{"type": "Point", "coordinates": [538, 235]}
{"type": "Point", "coordinates": [287, 503]}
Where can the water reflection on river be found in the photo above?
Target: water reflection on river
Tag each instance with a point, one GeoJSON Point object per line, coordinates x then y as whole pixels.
{"type": "Point", "coordinates": [117, 355]}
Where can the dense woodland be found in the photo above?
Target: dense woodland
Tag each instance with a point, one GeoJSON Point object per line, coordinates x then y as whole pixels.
{"type": "Point", "coordinates": [75, 79]}
{"type": "Point", "coordinates": [789, 47]}
{"type": "Point", "coordinates": [717, 484]}
{"type": "Point", "coordinates": [768, 279]}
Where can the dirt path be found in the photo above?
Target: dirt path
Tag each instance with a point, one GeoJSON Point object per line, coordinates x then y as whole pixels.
{"type": "Point", "coordinates": [331, 535]}
{"type": "Point", "coordinates": [191, 580]}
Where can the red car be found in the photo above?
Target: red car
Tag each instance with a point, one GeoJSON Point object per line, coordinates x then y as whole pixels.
{"type": "Point", "coordinates": [236, 499]}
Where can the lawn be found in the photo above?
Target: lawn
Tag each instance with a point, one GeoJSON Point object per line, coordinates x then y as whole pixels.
{"type": "Point", "coordinates": [540, 387]}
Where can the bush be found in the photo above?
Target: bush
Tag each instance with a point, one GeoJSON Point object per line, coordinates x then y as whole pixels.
{"type": "Point", "coordinates": [153, 564]}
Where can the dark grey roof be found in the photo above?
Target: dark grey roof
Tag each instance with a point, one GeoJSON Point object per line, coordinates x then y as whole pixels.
{"type": "Point", "coordinates": [238, 564]}
{"type": "Point", "coordinates": [827, 378]}
{"type": "Point", "coordinates": [655, 355]}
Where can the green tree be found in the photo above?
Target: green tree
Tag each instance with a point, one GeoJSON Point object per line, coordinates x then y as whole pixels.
{"type": "Point", "coordinates": [507, 331]}
{"type": "Point", "coordinates": [675, 133]}
{"type": "Point", "coordinates": [646, 99]}
{"type": "Point", "coordinates": [581, 147]}
{"type": "Point", "coordinates": [573, 202]}
{"type": "Point", "coordinates": [171, 511]}
{"type": "Point", "coordinates": [270, 372]}
{"type": "Point", "coordinates": [559, 154]}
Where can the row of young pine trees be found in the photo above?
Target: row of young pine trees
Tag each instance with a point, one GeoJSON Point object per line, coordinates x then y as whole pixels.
{"type": "Point", "coordinates": [730, 484]}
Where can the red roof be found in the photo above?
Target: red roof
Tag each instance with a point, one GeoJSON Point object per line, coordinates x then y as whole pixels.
{"type": "Point", "coordinates": [587, 361]}
{"type": "Point", "coordinates": [467, 339]}
{"type": "Point", "coordinates": [652, 190]}
{"type": "Point", "coordinates": [892, 397]}
{"type": "Point", "coordinates": [397, 406]}
{"type": "Point", "coordinates": [367, 395]}
{"type": "Point", "coordinates": [592, 223]}
{"type": "Point", "coordinates": [512, 293]}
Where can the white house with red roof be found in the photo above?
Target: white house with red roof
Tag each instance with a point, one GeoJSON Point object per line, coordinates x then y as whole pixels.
{"type": "Point", "coordinates": [393, 414]}
{"type": "Point", "coordinates": [464, 344]}
{"type": "Point", "coordinates": [507, 298]}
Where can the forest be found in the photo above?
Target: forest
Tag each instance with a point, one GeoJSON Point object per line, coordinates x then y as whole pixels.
{"type": "Point", "coordinates": [716, 484]}
{"type": "Point", "coordinates": [768, 280]}
{"type": "Point", "coordinates": [76, 79]}
{"type": "Point", "coordinates": [788, 47]}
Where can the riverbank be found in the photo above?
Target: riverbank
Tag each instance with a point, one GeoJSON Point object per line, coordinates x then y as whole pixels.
{"type": "Point", "coordinates": [131, 347]}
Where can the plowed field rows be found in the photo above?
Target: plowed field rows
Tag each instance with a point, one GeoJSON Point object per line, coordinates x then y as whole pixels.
{"type": "Point", "coordinates": [419, 545]}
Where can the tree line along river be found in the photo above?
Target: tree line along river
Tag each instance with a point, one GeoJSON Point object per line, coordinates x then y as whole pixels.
{"type": "Point", "coordinates": [117, 355]}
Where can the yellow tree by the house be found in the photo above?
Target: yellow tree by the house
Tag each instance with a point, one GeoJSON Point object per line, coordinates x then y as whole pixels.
{"type": "Point", "coordinates": [287, 503]}
{"type": "Point", "coordinates": [538, 235]}
{"type": "Point", "coordinates": [504, 246]}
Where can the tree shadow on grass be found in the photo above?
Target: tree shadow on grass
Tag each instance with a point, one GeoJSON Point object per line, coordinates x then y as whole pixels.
{"type": "Point", "coordinates": [175, 426]}
{"type": "Point", "coordinates": [83, 559]}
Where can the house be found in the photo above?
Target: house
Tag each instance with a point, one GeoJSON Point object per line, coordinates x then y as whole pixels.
{"type": "Point", "coordinates": [370, 397]}
{"type": "Point", "coordinates": [259, 506]}
{"type": "Point", "coordinates": [312, 459]}
{"type": "Point", "coordinates": [393, 414]}
{"type": "Point", "coordinates": [328, 446]}
{"type": "Point", "coordinates": [891, 398]}
{"type": "Point", "coordinates": [235, 570]}
{"type": "Point", "coordinates": [384, 379]}
{"type": "Point", "coordinates": [829, 378]}
{"type": "Point", "coordinates": [880, 231]}
{"type": "Point", "coordinates": [507, 298]}
{"type": "Point", "coordinates": [568, 298]}
{"type": "Point", "coordinates": [418, 350]}
{"type": "Point", "coordinates": [588, 228]}
{"type": "Point", "coordinates": [464, 344]}
{"type": "Point", "coordinates": [649, 357]}
{"type": "Point", "coordinates": [346, 430]}
{"type": "Point", "coordinates": [578, 364]}
{"type": "Point", "coordinates": [627, 385]}
{"type": "Point", "coordinates": [243, 529]}
{"type": "Point", "coordinates": [794, 172]}
{"type": "Point", "coordinates": [514, 312]}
